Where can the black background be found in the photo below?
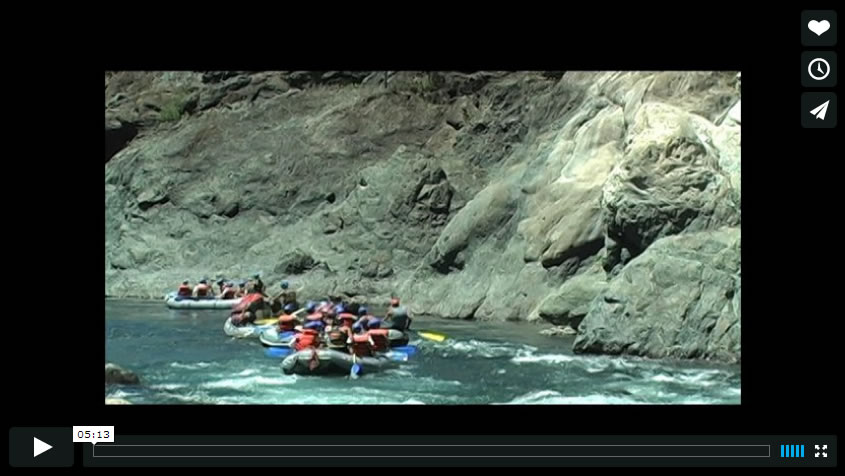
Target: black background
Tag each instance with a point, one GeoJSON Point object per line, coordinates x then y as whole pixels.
{"type": "Point", "coordinates": [792, 308]}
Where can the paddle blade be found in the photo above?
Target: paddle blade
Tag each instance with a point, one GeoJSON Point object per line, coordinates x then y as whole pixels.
{"type": "Point", "coordinates": [278, 352]}
{"type": "Point", "coordinates": [435, 336]}
{"type": "Point", "coordinates": [406, 349]}
{"type": "Point", "coordinates": [356, 369]}
{"type": "Point", "coordinates": [397, 356]}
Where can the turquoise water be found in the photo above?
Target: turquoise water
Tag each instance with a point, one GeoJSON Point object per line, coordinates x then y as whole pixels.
{"type": "Point", "coordinates": [184, 357]}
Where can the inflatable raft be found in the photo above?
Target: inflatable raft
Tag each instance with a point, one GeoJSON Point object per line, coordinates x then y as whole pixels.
{"type": "Point", "coordinates": [271, 338]}
{"type": "Point", "coordinates": [334, 362]}
{"type": "Point", "coordinates": [174, 302]}
{"type": "Point", "coordinates": [249, 330]}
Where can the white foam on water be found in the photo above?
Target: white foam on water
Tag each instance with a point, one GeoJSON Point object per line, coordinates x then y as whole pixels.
{"type": "Point", "coordinates": [168, 386]}
{"type": "Point", "coordinates": [688, 378]}
{"type": "Point", "coordinates": [594, 369]}
{"type": "Point", "coordinates": [194, 366]}
{"type": "Point", "coordinates": [663, 378]}
{"type": "Point", "coordinates": [121, 394]}
{"type": "Point", "coordinates": [283, 380]}
{"type": "Point", "coordinates": [247, 372]}
{"type": "Point", "coordinates": [398, 373]}
{"type": "Point", "coordinates": [550, 397]}
{"type": "Point", "coordinates": [193, 397]}
{"type": "Point", "coordinates": [543, 358]}
{"type": "Point", "coordinates": [411, 401]}
{"type": "Point", "coordinates": [480, 348]}
{"type": "Point", "coordinates": [248, 382]}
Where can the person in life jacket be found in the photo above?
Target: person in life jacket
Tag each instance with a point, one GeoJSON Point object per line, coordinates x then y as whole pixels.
{"type": "Point", "coordinates": [338, 336]}
{"type": "Point", "coordinates": [185, 289]}
{"type": "Point", "coordinates": [258, 284]}
{"type": "Point", "coordinates": [324, 307]}
{"type": "Point", "coordinates": [314, 314]}
{"type": "Point", "coordinates": [203, 289]}
{"type": "Point", "coordinates": [221, 284]}
{"type": "Point", "coordinates": [248, 310]}
{"type": "Point", "coordinates": [331, 318]}
{"type": "Point", "coordinates": [284, 297]}
{"type": "Point", "coordinates": [241, 290]}
{"type": "Point", "coordinates": [346, 318]}
{"type": "Point", "coordinates": [397, 316]}
{"type": "Point", "coordinates": [378, 340]}
{"type": "Point", "coordinates": [364, 318]}
{"type": "Point", "coordinates": [288, 321]}
{"type": "Point", "coordinates": [359, 345]}
{"type": "Point", "coordinates": [227, 291]}
{"type": "Point", "coordinates": [309, 337]}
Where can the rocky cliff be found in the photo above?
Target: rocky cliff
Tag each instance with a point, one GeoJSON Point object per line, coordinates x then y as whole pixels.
{"type": "Point", "coordinates": [606, 201]}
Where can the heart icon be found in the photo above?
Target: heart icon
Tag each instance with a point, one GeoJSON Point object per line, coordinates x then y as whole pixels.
{"type": "Point", "coordinates": [819, 27]}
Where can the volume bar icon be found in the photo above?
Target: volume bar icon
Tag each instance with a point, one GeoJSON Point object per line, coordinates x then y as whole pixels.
{"type": "Point", "coordinates": [791, 451]}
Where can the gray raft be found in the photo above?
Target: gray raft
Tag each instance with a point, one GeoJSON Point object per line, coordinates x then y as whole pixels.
{"type": "Point", "coordinates": [199, 303]}
{"type": "Point", "coordinates": [248, 330]}
{"type": "Point", "coordinates": [333, 362]}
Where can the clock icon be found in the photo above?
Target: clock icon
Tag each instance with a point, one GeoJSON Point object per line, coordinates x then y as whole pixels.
{"type": "Point", "coordinates": [819, 69]}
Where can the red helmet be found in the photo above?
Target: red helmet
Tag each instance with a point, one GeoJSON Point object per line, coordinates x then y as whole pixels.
{"type": "Point", "coordinates": [394, 301]}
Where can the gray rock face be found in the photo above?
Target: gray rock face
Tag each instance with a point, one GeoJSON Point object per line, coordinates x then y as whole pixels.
{"type": "Point", "coordinates": [570, 304]}
{"type": "Point", "coordinates": [680, 298]}
{"type": "Point", "coordinates": [668, 183]}
{"type": "Point", "coordinates": [472, 195]}
{"type": "Point", "coordinates": [118, 375]}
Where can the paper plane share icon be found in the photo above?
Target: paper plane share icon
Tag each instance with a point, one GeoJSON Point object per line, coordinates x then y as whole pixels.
{"type": "Point", "coordinates": [820, 110]}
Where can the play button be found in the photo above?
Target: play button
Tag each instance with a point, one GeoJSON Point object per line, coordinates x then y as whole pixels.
{"type": "Point", "coordinates": [39, 447]}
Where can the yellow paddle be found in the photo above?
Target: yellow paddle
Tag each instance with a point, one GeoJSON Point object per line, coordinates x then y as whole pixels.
{"type": "Point", "coordinates": [431, 335]}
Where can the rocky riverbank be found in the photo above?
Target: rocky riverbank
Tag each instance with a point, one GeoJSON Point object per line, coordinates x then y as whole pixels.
{"type": "Point", "coordinates": [606, 202]}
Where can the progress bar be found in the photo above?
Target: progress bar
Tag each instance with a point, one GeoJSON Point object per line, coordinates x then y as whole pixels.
{"type": "Point", "coordinates": [492, 450]}
{"type": "Point", "coordinates": [433, 451]}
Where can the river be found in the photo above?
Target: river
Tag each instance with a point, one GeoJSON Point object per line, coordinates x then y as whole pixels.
{"type": "Point", "coordinates": [183, 357]}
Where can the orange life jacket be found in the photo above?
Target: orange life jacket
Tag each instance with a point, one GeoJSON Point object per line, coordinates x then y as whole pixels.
{"type": "Point", "coordinates": [287, 322]}
{"type": "Point", "coordinates": [378, 340]}
{"type": "Point", "coordinates": [202, 289]}
{"type": "Point", "coordinates": [246, 302]}
{"type": "Point", "coordinates": [346, 319]}
{"type": "Point", "coordinates": [361, 345]}
{"type": "Point", "coordinates": [228, 293]}
{"type": "Point", "coordinates": [307, 338]}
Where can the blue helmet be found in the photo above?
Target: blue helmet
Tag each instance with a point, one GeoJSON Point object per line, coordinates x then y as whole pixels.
{"type": "Point", "coordinates": [185, 281]}
{"type": "Point", "coordinates": [284, 284]}
{"type": "Point", "coordinates": [374, 323]}
{"type": "Point", "coordinates": [339, 309]}
{"type": "Point", "coordinates": [290, 307]}
{"type": "Point", "coordinates": [310, 306]}
{"type": "Point", "coordinates": [221, 281]}
{"type": "Point", "coordinates": [362, 311]}
{"type": "Point", "coordinates": [203, 281]}
{"type": "Point", "coordinates": [314, 325]}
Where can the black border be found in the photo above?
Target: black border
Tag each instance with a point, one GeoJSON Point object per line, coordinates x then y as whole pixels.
{"type": "Point", "coordinates": [789, 365]}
